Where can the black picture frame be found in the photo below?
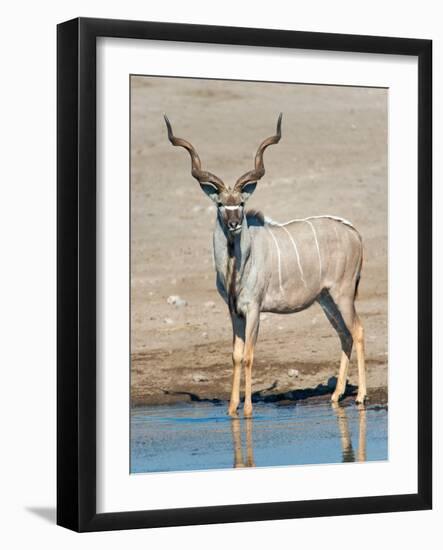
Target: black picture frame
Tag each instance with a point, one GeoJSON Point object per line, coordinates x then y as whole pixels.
{"type": "Point", "coordinates": [76, 280]}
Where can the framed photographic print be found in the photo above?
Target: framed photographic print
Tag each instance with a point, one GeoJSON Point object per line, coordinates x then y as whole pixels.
{"type": "Point", "coordinates": [244, 274]}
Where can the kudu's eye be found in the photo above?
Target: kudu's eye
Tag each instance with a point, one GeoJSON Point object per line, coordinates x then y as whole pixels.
{"type": "Point", "coordinates": [242, 204]}
{"type": "Point", "coordinates": [219, 204]}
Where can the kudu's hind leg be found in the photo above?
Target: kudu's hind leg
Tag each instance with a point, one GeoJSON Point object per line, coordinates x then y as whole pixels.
{"type": "Point", "coordinates": [359, 339]}
{"type": "Point", "coordinates": [238, 329]}
{"type": "Point", "coordinates": [340, 310]}
{"type": "Point", "coordinates": [346, 305]}
{"type": "Point", "coordinates": [341, 318]}
{"type": "Point", "coordinates": [340, 387]}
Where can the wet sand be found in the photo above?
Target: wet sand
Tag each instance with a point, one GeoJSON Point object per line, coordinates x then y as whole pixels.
{"type": "Point", "coordinates": [332, 159]}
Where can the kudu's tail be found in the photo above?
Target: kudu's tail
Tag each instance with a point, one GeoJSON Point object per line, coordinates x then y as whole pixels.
{"type": "Point", "coordinates": [357, 282]}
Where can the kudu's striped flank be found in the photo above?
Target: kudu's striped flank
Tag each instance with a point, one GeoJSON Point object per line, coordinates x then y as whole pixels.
{"type": "Point", "coordinates": [262, 265]}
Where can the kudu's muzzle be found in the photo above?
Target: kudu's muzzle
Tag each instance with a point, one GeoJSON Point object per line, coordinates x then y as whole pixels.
{"type": "Point", "coordinates": [233, 218]}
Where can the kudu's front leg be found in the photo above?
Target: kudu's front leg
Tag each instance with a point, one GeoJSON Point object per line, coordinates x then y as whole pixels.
{"type": "Point", "coordinates": [251, 332]}
{"type": "Point", "coordinates": [238, 344]}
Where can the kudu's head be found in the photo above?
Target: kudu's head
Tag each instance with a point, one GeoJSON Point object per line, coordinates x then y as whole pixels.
{"type": "Point", "coordinates": [230, 201]}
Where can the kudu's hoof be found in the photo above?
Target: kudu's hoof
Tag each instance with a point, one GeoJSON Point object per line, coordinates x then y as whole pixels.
{"type": "Point", "coordinates": [361, 400]}
{"type": "Point", "coordinates": [335, 397]}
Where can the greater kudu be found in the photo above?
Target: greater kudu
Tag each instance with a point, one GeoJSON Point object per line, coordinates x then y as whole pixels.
{"type": "Point", "coordinates": [263, 266]}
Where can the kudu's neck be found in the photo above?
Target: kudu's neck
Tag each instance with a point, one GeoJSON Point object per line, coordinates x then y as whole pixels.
{"type": "Point", "coordinates": [237, 246]}
{"type": "Point", "coordinates": [231, 252]}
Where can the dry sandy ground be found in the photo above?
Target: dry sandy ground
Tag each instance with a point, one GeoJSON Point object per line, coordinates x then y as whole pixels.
{"type": "Point", "coordinates": [332, 159]}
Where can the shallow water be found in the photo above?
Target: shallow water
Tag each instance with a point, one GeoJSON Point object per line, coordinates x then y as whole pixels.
{"type": "Point", "coordinates": [200, 436]}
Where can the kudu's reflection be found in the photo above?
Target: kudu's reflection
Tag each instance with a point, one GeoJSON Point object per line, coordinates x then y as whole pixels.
{"type": "Point", "coordinates": [346, 442]}
{"type": "Point", "coordinates": [242, 460]}
{"type": "Point", "coordinates": [239, 462]}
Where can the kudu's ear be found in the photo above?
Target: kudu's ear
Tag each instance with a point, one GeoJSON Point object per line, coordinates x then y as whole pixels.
{"type": "Point", "coordinates": [247, 190]}
{"type": "Point", "coordinates": [210, 190]}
